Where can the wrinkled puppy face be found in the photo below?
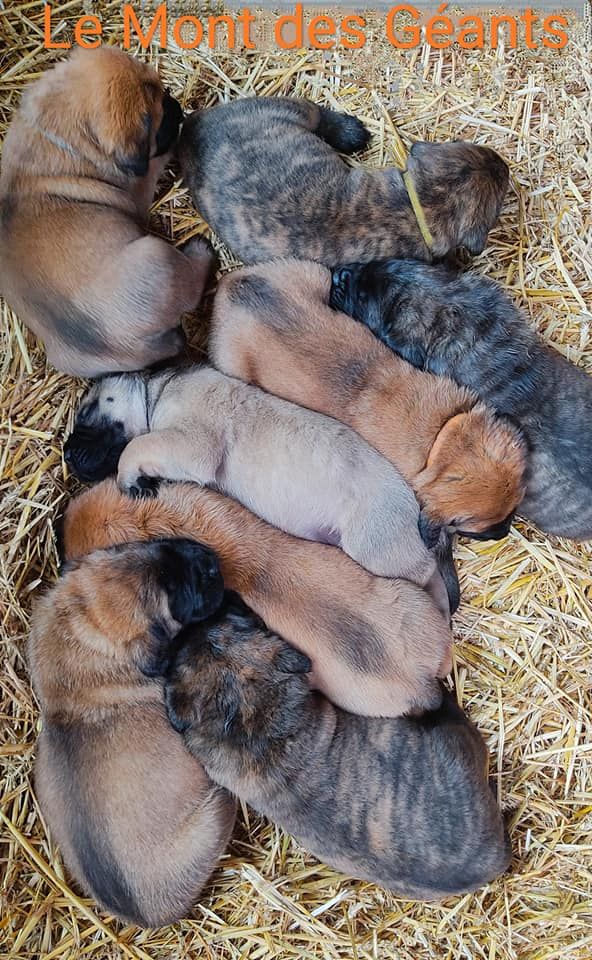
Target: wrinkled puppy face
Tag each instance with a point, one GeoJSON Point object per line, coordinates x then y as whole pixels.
{"type": "Point", "coordinates": [461, 187]}
{"type": "Point", "coordinates": [150, 589]}
{"type": "Point", "coordinates": [474, 477]}
{"type": "Point", "coordinates": [131, 118]}
{"type": "Point", "coordinates": [235, 682]}
{"type": "Point", "coordinates": [110, 414]}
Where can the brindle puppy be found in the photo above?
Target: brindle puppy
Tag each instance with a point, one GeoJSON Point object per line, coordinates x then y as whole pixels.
{"type": "Point", "coordinates": [376, 644]}
{"type": "Point", "coordinates": [402, 803]}
{"type": "Point", "coordinates": [140, 825]}
{"type": "Point", "coordinates": [467, 328]}
{"type": "Point", "coordinates": [307, 474]}
{"type": "Point", "coordinates": [80, 165]}
{"type": "Point", "coordinates": [273, 327]}
{"type": "Point", "coordinates": [265, 174]}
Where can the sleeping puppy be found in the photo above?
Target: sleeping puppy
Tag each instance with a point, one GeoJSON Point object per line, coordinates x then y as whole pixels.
{"type": "Point", "coordinates": [265, 174]}
{"type": "Point", "coordinates": [304, 473]}
{"type": "Point", "coordinates": [79, 169]}
{"type": "Point", "coordinates": [467, 328]}
{"type": "Point", "coordinates": [403, 803]}
{"type": "Point", "coordinates": [139, 823]}
{"type": "Point", "coordinates": [273, 327]}
{"type": "Point", "coordinates": [376, 644]}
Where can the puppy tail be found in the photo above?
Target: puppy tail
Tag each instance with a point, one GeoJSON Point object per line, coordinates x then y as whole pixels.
{"type": "Point", "coordinates": [342, 131]}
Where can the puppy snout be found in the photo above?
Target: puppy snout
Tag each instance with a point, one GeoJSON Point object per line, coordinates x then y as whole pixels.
{"type": "Point", "coordinates": [93, 454]}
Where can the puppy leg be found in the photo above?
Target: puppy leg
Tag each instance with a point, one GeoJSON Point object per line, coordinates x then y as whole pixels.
{"type": "Point", "coordinates": [168, 455]}
{"type": "Point", "coordinates": [149, 288]}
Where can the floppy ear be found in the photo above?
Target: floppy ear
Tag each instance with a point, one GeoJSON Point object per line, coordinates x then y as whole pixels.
{"type": "Point", "coordinates": [228, 701]}
{"type": "Point", "coordinates": [155, 657]}
{"type": "Point", "coordinates": [291, 660]}
{"type": "Point", "coordinates": [449, 432]}
{"type": "Point", "coordinates": [135, 161]}
{"type": "Point", "coordinates": [475, 238]}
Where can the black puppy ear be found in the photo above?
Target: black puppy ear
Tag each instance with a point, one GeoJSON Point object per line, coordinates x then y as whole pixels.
{"type": "Point", "coordinates": [228, 701]}
{"type": "Point", "coordinates": [291, 660]}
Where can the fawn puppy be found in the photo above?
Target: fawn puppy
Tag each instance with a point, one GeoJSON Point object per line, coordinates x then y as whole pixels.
{"type": "Point", "coordinates": [138, 821]}
{"type": "Point", "coordinates": [266, 175]}
{"type": "Point", "coordinates": [466, 327]}
{"type": "Point", "coordinates": [80, 164]}
{"type": "Point", "coordinates": [303, 472]}
{"type": "Point", "coordinates": [376, 644]}
{"type": "Point", "coordinates": [273, 327]}
{"type": "Point", "coordinates": [403, 803]}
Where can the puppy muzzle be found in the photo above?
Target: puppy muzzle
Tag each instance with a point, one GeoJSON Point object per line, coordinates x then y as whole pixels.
{"type": "Point", "coordinates": [497, 532]}
{"type": "Point", "coordinates": [93, 455]}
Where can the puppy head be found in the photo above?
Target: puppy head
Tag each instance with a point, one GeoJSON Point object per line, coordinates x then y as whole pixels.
{"type": "Point", "coordinates": [109, 107]}
{"type": "Point", "coordinates": [461, 188]}
{"type": "Point", "coordinates": [234, 682]}
{"type": "Point", "coordinates": [111, 412]}
{"type": "Point", "coordinates": [474, 477]}
{"type": "Point", "coordinates": [111, 597]}
{"type": "Point", "coordinates": [370, 291]}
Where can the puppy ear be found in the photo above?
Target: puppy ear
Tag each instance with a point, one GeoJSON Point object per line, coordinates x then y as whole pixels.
{"type": "Point", "coordinates": [228, 701]}
{"type": "Point", "coordinates": [136, 162]}
{"type": "Point", "coordinates": [475, 239]}
{"type": "Point", "coordinates": [290, 660]}
{"type": "Point", "coordinates": [156, 657]}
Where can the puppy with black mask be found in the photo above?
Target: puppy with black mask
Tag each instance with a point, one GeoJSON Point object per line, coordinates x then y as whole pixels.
{"type": "Point", "coordinates": [403, 803]}
{"type": "Point", "coordinates": [466, 327]}
{"type": "Point", "coordinates": [139, 823]}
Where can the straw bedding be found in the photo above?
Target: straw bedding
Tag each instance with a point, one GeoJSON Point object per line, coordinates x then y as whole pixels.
{"type": "Point", "coordinates": [523, 632]}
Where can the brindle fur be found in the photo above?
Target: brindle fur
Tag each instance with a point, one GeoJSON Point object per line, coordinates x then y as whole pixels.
{"type": "Point", "coordinates": [376, 644]}
{"type": "Point", "coordinates": [139, 823]}
{"type": "Point", "coordinates": [465, 327]}
{"type": "Point", "coordinates": [305, 473]}
{"type": "Point", "coordinates": [273, 327]}
{"type": "Point", "coordinates": [265, 174]}
{"type": "Point", "coordinates": [80, 165]}
{"type": "Point", "coordinates": [403, 803]}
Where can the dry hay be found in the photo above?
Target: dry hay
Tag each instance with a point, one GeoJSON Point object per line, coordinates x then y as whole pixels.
{"type": "Point", "coordinates": [523, 654]}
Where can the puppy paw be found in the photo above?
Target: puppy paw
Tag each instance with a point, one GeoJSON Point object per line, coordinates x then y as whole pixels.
{"type": "Point", "coordinates": [142, 487]}
{"type": "Point", "coordinates": [200, 249]}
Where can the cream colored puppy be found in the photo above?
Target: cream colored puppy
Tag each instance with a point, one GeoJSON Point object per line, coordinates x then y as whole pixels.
{"type": "Point", "coordinates": [301, 471]}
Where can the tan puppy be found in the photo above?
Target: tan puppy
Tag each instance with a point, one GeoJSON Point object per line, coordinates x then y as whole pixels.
{"type": "Point", "coordinates": [306, 474]}
{"type": "Point", "coordinates": [376, 645]}
{"type": "Point", "coordinates": [79, 168]}
{"type": "Point", "coordinates": [140, 825]}
{"type": "Point", "coordinates": [273, 328]}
